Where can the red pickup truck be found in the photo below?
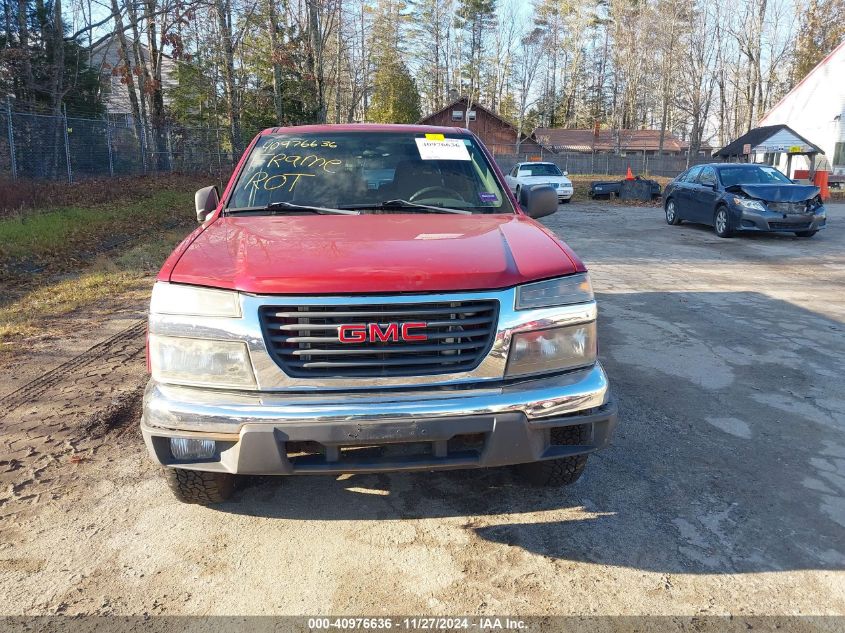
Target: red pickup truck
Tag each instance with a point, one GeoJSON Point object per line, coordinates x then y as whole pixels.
{"type": "Point", "coordinates": [369, 298]}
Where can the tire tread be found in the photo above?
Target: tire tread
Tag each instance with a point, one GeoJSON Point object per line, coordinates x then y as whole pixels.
{"type": "Point", "coordinates": [196, 486]}
{"type": "Point", "coordinates": [563, 471]}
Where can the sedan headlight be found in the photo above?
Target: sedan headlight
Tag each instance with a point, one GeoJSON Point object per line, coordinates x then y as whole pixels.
{"type": "Point", "coordinates": [751, 205]}
{"type": "Point", "coordinates": [555, 292]}
{"type": "Point", "coordinates": [194, 301]}
{"type": "Point", "coordinates": [200, 362]}
{"type": "Point", "coordinates": [555, 349]}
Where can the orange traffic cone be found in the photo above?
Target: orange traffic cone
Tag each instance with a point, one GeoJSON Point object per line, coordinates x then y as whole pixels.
{"type": "Point", "coordinates": [630, 174]}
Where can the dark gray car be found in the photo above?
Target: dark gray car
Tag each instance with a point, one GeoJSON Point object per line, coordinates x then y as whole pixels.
{"type": "Point", "coordinates": [740, 197]}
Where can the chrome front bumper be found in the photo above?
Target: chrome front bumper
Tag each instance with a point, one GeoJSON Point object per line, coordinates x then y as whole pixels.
{"type": "Point", "coordinates": [256, 432]}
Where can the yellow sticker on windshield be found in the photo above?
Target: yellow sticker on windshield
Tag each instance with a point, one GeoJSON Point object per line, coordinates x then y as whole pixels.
{"type": "Point", "coordinates": [435, 137]}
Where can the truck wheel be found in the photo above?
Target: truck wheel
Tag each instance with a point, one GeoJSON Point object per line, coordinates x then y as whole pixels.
{"type": "Point", "coordinates": [196, 486]}
{"type": "Point", "coordinates": [805, 233]}
{"type": "Point", "coordinates": [558, 472]}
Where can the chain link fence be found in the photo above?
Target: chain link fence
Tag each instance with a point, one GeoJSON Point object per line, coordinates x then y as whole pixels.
{"type": "Point", "coordinates": [668, 165]}
{"type": "Point", "coordinates": [49, 147]}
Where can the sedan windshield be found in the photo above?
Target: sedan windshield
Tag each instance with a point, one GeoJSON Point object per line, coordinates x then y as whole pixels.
{"type": "Point", "coordinates": [752, 175]}
{"type": "Point", "coordinates": [371, 172]}
{"type": "Point", "coordinates": [540, 169]}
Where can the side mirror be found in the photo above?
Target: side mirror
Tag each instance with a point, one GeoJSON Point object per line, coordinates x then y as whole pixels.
{"type": "Point", "coordinates": [206, 201]}
{"type": "Point", "coordinates": [565, 173]}
{"type": "Point", "coordinates": [538, 201]}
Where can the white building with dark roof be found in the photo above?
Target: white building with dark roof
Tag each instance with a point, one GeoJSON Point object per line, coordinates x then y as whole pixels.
{"type": "Point", "coordinates": [106, 57]}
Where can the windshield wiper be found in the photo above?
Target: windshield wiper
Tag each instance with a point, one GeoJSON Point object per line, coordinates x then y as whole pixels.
{"type": "Point", "coordinates": [405, 204]}
{"type": "Point", "coordinates": [275, 207]}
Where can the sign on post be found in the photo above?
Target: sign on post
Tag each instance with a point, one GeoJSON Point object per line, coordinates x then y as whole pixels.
{"type": "Point", "coordinates": [746, 149]}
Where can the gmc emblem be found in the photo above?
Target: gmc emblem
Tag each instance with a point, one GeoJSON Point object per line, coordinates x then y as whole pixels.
{"type": "Point", "coordinates": [374, 332]}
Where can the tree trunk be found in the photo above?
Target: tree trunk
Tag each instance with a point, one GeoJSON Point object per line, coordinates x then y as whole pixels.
{"type": "Point", "coordinates": [123, 48]}
{"type": "Point", "coordinates": [277, 67]}
{"type": "Point", "coordinates": [337, 63]}
{"type": "Point", "coordinates": [315, 57]}
{"type": "Point", "coordinates": [224, 22]}
{"type": "Point", "coordinates": [23, 34]}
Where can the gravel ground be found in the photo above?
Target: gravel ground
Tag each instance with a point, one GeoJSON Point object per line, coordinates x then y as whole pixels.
{"type": "Point", "coordinates": [724, 492]}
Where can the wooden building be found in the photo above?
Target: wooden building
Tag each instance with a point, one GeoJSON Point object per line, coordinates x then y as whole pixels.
{"type": "Point", "coordinates": [605, 141]}
{"type": "Point", "coordinates": [497, 134]}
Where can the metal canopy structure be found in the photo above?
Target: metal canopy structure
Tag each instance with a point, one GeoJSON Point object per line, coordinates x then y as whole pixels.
{"type": "Point", "coordinates": [771, 139]}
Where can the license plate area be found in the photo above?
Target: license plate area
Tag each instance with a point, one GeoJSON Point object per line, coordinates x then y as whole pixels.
{"type": "Point", "coordinates": [351, 447]}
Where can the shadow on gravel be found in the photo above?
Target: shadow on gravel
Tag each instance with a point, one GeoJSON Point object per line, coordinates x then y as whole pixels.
{"type": "Point", "coordinates": [729, 458]}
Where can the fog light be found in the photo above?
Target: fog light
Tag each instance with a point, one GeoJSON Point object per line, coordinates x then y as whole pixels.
{"type": "Point", "coordinates": [188, 448]}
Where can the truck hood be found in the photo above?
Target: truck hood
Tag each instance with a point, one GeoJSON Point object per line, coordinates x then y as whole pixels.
{"type": "Point", "coordinates": [326, 254]}
{"type": "Point", "coordinates": [777, 193]}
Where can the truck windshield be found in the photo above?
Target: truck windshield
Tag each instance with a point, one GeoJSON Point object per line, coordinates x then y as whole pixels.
{"type": "Point", "coordinates": [369, 172]}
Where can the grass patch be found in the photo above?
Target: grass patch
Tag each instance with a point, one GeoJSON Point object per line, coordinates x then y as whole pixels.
{"type": "Point", "coordinates": [65, 230]}
{"type": "Point", "coordinates": [28, 196]}
{"type": "Point", "coordinates": [113, 283]}
{"type": "Point", "coordinates": [63, 239]}
{"type": "Point", "coordinates": [21, 318]}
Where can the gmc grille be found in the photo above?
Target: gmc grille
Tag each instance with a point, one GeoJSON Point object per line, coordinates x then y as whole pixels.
{"type": "Point", "coordinates": [303, 340]}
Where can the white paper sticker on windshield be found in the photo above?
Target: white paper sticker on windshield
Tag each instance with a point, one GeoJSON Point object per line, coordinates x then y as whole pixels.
{"type": "Point", "coordinates": [447, 149]}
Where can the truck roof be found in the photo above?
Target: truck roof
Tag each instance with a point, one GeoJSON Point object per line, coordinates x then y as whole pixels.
{"type": "Point", "coordinates": [367, 127]}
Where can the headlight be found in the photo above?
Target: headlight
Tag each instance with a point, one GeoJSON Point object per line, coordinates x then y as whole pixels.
{"type": "Point", "coordinates": [194, 301]}
{"type": "Point", "coordinates": [191, 361]}
{"type": "Point", "coordinates": [753, 205]}
{"type": "Point", "coordinates": [554, 292]}
{"type": "Point", "coordinates": [556, 349]}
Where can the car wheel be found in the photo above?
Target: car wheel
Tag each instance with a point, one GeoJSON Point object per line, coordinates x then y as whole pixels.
{"type": "Point", "coordinates": [672, 216]}
{"type": "Point", "coordinates": [558, 472]}
{"type": "Point", "coordinates": [196, 486]}
{"type": "Point", "coordinates": [722, 222]}
{"type": "Point", "coordinates": [516, 193]}
{"type": "Point", "coordinates": [805, 233]}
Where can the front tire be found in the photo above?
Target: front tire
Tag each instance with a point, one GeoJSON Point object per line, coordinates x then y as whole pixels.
{"type": "Point", "coordinates": [558, 472]}
{"type": "Point", "coordinates": [196, 486]}
{"type": "Point", "coordinates": [722, 222]}
{"type": "Point", "coordinates": [671, 210]}
{"type": "Point", "coordinates": [805, 233]}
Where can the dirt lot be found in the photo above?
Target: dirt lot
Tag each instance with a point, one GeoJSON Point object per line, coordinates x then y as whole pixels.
{"type": "Point", "coordinates": [723, 494]}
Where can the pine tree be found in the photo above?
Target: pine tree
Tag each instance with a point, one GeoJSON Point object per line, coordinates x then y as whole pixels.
{"type": "Point", "coordinates": [476, 18]}
{"type": "Point", "coordinates": [821, 29]}
{"type": "Point", "coordinates": [395, 95]}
